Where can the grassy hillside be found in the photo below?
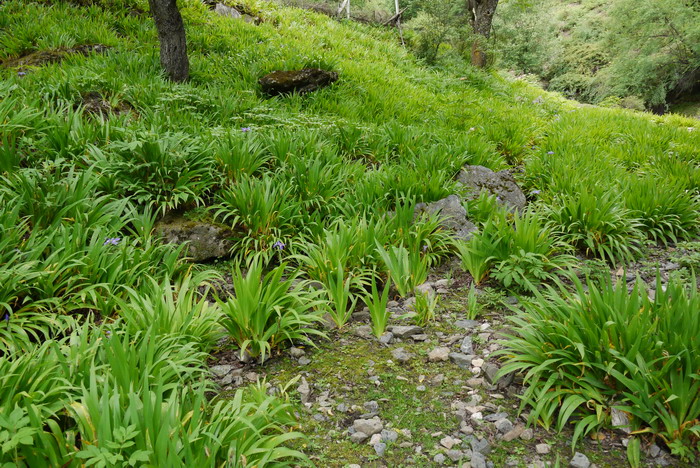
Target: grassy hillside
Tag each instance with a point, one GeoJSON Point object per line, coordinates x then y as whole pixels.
{"type": "Point", "coordinates": [106, 331]}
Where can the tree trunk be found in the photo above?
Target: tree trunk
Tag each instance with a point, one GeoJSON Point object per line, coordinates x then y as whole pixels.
{"type": "Point", "coordinates": [481, 15]}
{"type": "Point", "coordinates": [171, 34]}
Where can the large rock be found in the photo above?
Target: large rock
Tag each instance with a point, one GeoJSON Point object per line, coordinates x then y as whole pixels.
{"type": "Point", "coordinates": [301, 81]}
{"type": "Point", "coordinates": [224, 10]}
{"type": "Point", "coordinates": [231, 12]}
{"type": "Point", "coordinates": [501, 184]}
{"type": "Point", "coordinates": [453, 214]}
{"type": "Point", "coordinates": [204, 241]}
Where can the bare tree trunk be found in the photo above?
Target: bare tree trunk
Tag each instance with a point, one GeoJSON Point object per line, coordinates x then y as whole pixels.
{"type": "Point", "coordinates": [171, 34]}
{"type": "Point", "coordinates": [481, 14]}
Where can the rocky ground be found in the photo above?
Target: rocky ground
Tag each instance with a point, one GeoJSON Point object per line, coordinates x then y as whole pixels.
{"type": "Point", "coordinates": [428, 396]}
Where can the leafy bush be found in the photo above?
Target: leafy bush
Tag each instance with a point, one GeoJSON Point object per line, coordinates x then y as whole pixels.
{"type": "Point", "coordinates": [268, 310]}
{"type": "Point", "coordinates": [601, 347]}
{"type": "Point", "coordinates": [596, 224]}
{"type": "Point", "coordinates": [164, 172]}
{"type": "Point", "coordinates": [520, 253]}
{"type": "Point", "coordinates": [407, 269]}
{"type": "Point", "coordinates": [264, 209]}
{"type": "Point", "coordinates": [666, 212]}
{"type": "Point", "coordinates": [378, 312]}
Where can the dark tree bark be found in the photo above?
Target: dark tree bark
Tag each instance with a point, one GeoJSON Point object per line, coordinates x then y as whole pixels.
{"type": "Point", "coordinates": [481, 16]}
{"type": "Point", "coordinates": [171, 34]}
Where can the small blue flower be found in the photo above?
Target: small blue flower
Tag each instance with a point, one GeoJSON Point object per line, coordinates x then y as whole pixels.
{"type": "Point", "coordinates": [279, 245]}
{"type": "Point", "coordinates": [21, 74]}
{"type": "Point", "coordinates": [6, 317]}
{"type": "Point", "coordinates": [550, 152]}
{"type": "Point", "coordinates": [245, 129]}
{"type": "Point", "coordinates": [113, 241]}
{"type": "Point", "coordinates": [108, 333]}
{"type": "Point", "coordinates": [535, 192]}
{"type": "Point", "coordinates": [425, 248]}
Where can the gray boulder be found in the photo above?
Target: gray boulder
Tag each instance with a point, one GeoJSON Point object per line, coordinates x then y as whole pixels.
{"type": "Point", "coordinates": [224, 10]}
{"type": "Point", "coordinates": [301, 81]}
{"type": "Point", "coordinates": [204, 240]}
{"type": "Point", "coordinates": [453, 214]}
{"type": "Point", "coordinates": [502, 184]}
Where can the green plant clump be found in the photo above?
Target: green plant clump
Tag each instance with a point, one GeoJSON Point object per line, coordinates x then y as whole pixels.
{"type": "Point", "coordinates": [600, 347]}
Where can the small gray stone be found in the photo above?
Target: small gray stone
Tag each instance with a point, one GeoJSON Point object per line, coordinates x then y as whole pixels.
{"type": "Point", "coordinates": [319, 417]}
{"type": "Point", "coordinates": [542, 449]}
{"type": "Point", "coordinates": [304, 361]}
{"type": "Point", "coordinates": [439, 458]}
{"type": "Point", "coordinates": [504, 426]}
{"type": "Point", "coordinates": [527, 434]}
{"type": "Point", "coordinates": [354, 465]}
{"type": "Point", "coordinates": [420, 388]}
{"type": "Point", "coordinates": [464, 361]}
{"type": "Point", "coordinates": [481, 446]}
{"type": "Point", "coordinates": [478, 460]}
{"type": "Point", "coordinates": [620, 420]}
{"type": "Point", "coordinates": [455, 455]}
{"type": "Point", "coordinates": [372, 406]}
{"type": "Point", "coordinates": [420, 337]}
{"type": "Point", "coordinates": [389, 436]}
{"type": "Point", "coordinates": [304, 390]}
{"type": "Point", "coordinates": [404, 331]}
{"type": "Point", "coordinates": [466, 324]}
{"type": "Point", "coordinates": [386, 338]}
{"type": "Point", "coordinates": [439, 354]}
{"type": "Point", "coordinates": [401, 355]}
{"type": "Point", "coordinates": [380, 448]}
{"type": "Point", "coordinates": [425, 288]}
{"type": "Point", "coordinates": [495, 417]}
{"type": "Point", "coordinates": [513, 433]}
{"type": "Point", "coordinates": [296, 352]}
{"type": "Point", "coordinates": [443, 283]}
{"type": "Point", "coordinates": [363, 331]}
{"type": "Point", "coordinates": [467, 347]}
{"type": "Point", "coordinates": [368, 426]}
{"type": "Point", "coordinates": [453, 215]}
{"type": "Point", "coordinates": [359, 437]}
{"type": "Point", "coordinates": [490, 370]}
{"type": "Point", "coordinates": [221, 370]}
{"type": "Point", "coordinates": [579, 461]}
{"type": "Point", "coordinates": [654, 451]}
{"type": "Point", "coordinates": [342, 408]}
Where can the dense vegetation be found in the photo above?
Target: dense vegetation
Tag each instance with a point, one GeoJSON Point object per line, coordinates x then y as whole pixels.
{"type": "Point", "coordinates": [106, 330]}
{"type": "Point", "coordinates": [634, 53]}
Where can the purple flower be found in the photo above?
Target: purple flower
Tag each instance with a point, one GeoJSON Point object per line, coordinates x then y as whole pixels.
{"type": "Point", "coordinates": [550, 152]}
{"type": "Point", "coordinates": [21, 74]}
{"type": "Point", "coordinates": [113, 241]}
{"type": "Point", "coordinates": [6, 317]}
{"type": "Point", "coordinates": [278, 245]}
{"type": "Point", "coordinates": [425, 248]}
{"type": "Point", "coordinates": [108, 333]}
{"type": "Point", "coordinates": [245, 129]}
{"type": "Point", "coordinates": [535, 192]}
{"type": "Point", "coordinates": [498, 199]}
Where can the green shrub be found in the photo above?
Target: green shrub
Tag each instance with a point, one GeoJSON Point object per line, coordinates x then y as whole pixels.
{"type": "Point", "coordinates": [666, 212]}
{"type": "Point", "coordinates": [407, 269]}
{"type": "Point", "coordinates": [263, 209]}
{"type": "Point", "coordinates": [163, 172]}
{"type": "Point", "coordinates": [378, 312]}
{"type": "Point", "coordinates": [596, 224]}
{"type": "Point", "coordinates": [602, 347]}
{"type": "Point", "coordinates": [267, 310]}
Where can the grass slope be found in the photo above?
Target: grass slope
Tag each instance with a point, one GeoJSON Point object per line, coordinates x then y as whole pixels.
{"type": "Point", "coordinates": [326, 176]}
